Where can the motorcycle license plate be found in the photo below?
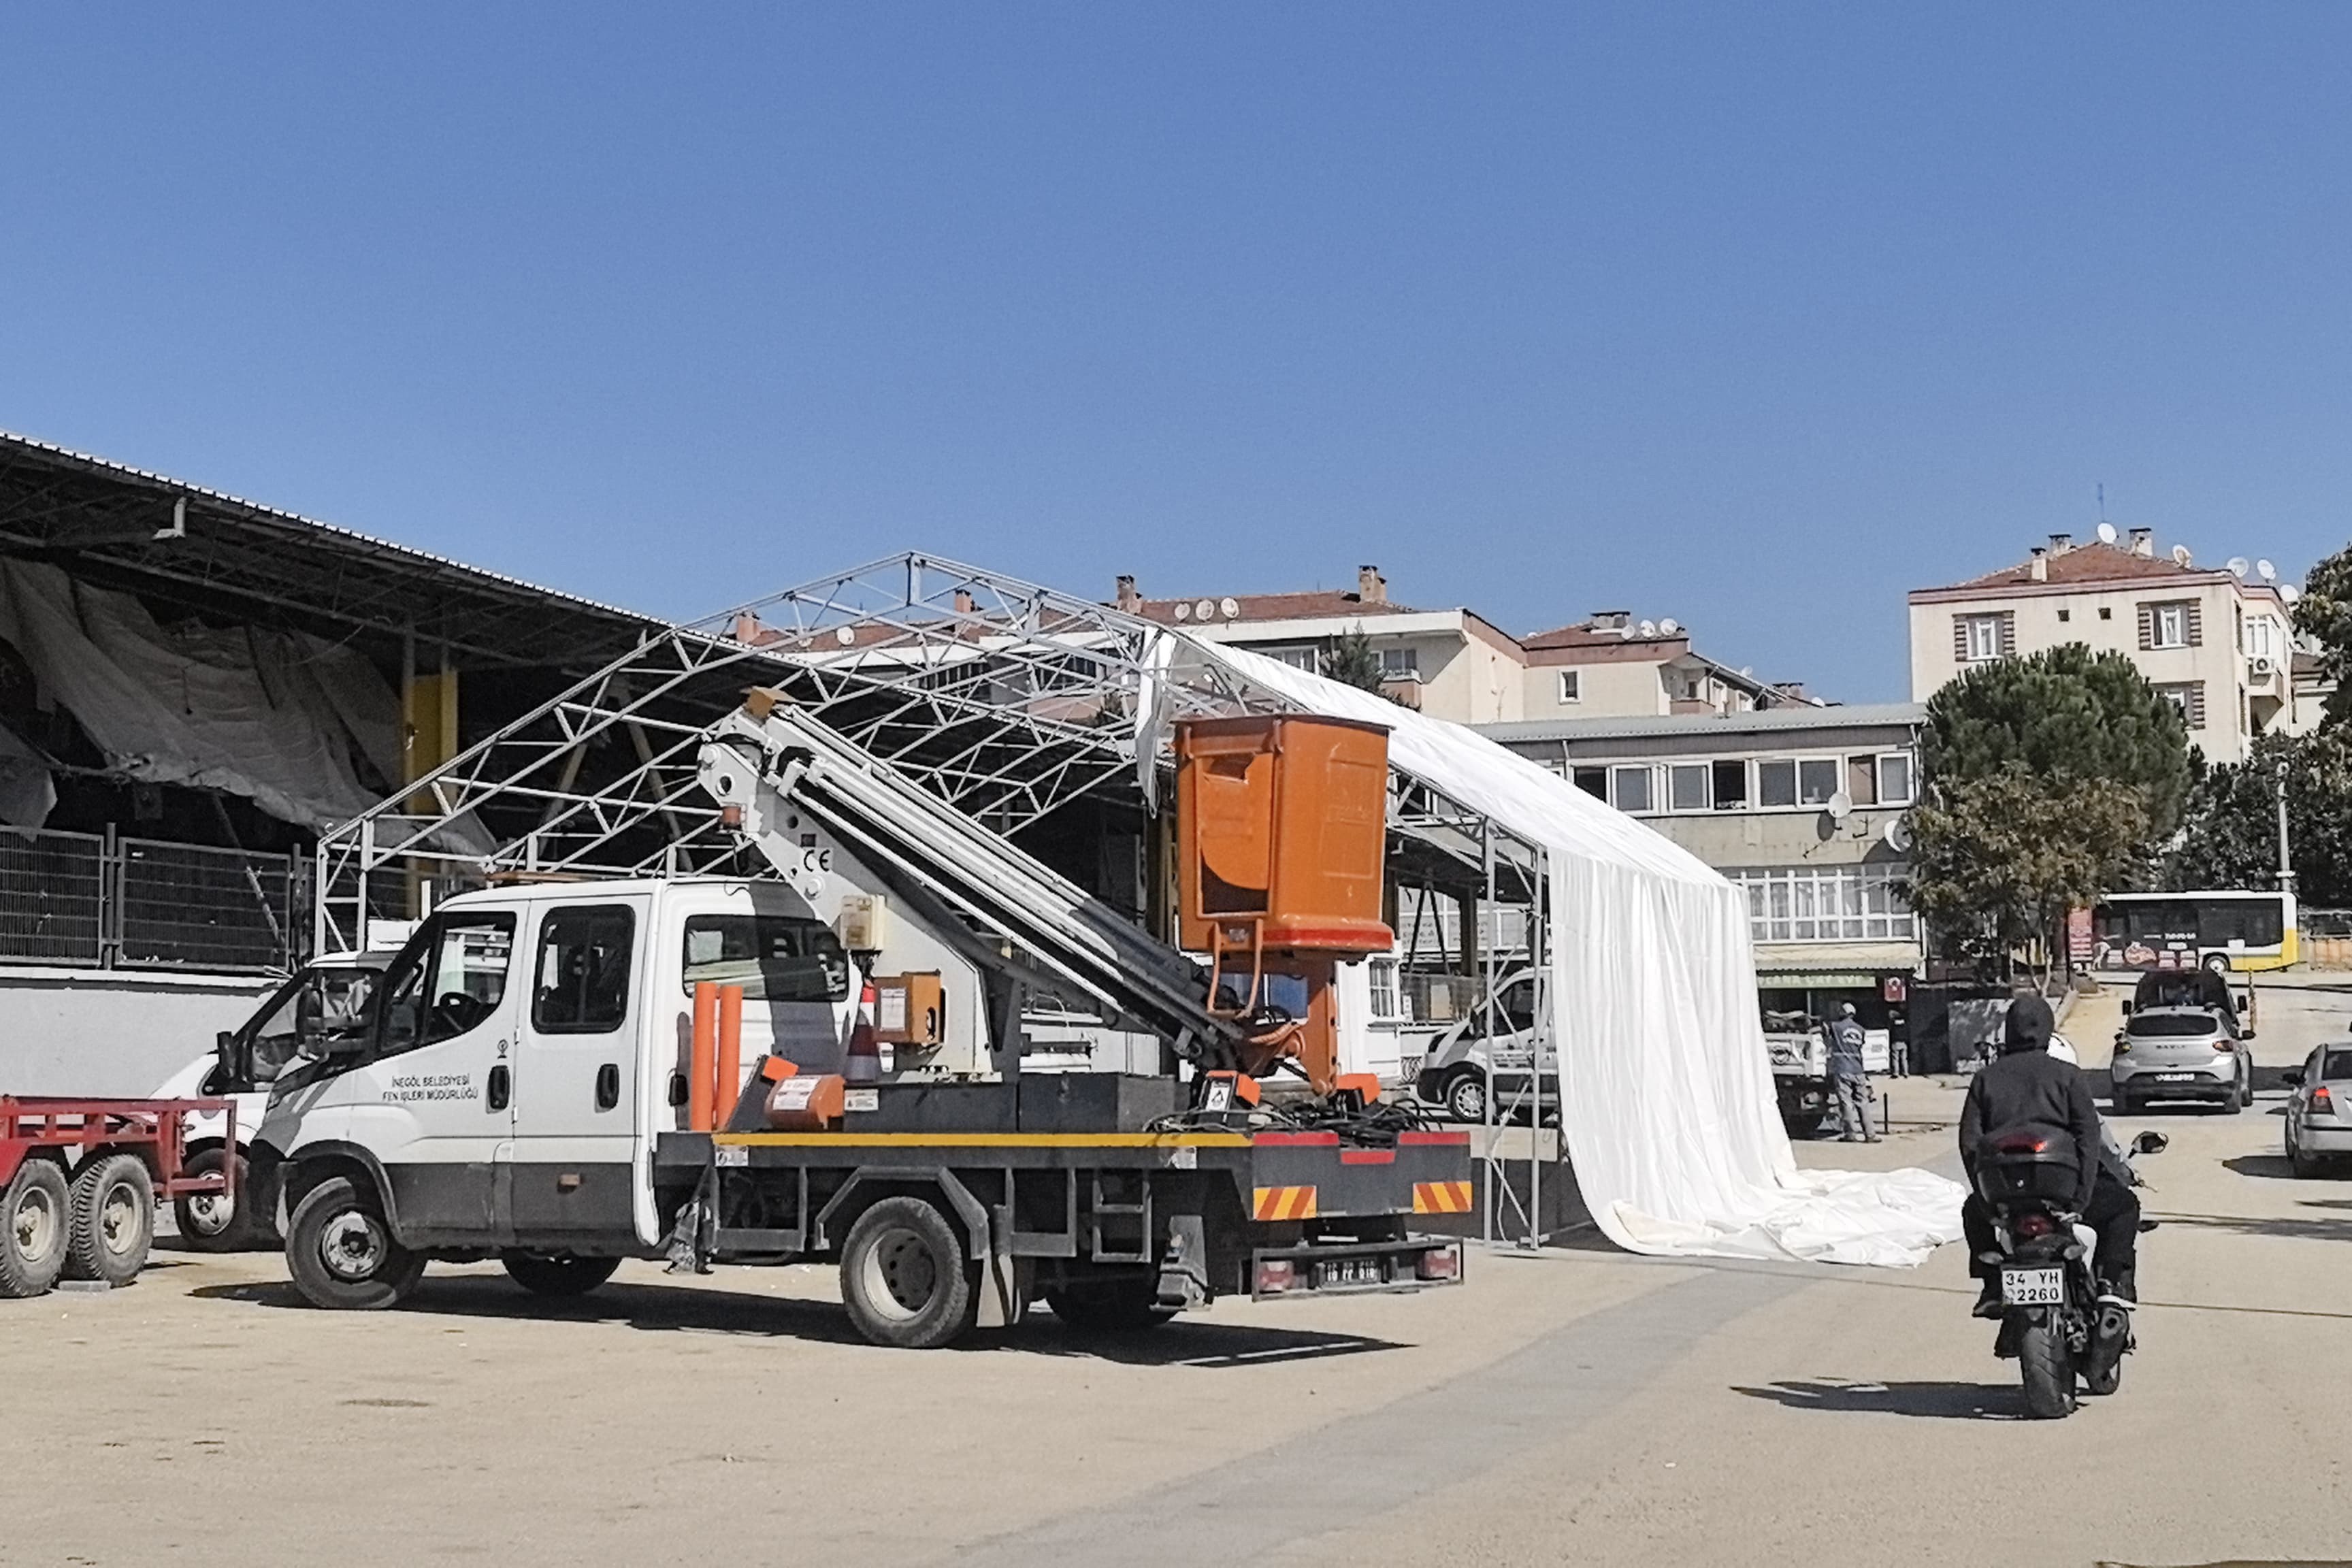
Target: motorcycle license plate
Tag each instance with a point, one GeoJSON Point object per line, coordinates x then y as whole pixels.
{"type": "Point", "coordinates": [1349, 1272]}
{"type": "Point", "coordinates": [2032, 1287]}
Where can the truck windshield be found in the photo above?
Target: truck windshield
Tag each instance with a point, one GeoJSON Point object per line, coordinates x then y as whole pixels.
{"type": "Point", "coordinates": [775, 958]}
{"type": "Point", "coordinates": [320, 1004]}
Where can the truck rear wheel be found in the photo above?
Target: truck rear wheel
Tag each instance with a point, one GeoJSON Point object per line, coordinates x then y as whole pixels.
{"type": "Point", "coordinates": [218, 1222]}
{"type": "Point", "coordinates": [905, 1277]}
{"type": "Point", "coordinates": [542, 1275]}
{"type": "Point", "coordinates": [33, 1223]}
{"type": "Point", "coordinates": [114, 1209]}
{"type": "Point", "coordinates": [341, 1254]}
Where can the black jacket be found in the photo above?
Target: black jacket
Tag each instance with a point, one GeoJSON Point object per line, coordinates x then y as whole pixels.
{"type": "Point", "coordinates": [2028, 1086]}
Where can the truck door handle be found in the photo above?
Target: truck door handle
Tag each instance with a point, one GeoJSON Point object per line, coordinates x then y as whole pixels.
{"type": "Point", "coordinates": [608, 1086]}
{"type": "Point", "coordinates": [501, 1087]}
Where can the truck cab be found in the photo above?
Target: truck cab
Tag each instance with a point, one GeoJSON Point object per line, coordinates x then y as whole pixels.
{"type": "Point", "coordinates": [530, 1042]}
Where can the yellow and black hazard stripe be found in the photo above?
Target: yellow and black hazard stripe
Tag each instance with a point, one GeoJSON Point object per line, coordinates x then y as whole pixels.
{"type": "Point", "coordinates": [1283, 1203]}
{"type": "Point", "coordinates": [1439, 1197]}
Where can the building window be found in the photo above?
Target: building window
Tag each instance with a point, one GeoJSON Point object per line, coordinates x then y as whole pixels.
{"type": "Point", "coordinates": [1631, 788]}
{"type": "Point", "coordinates": [1686, 786]}
{"type": "Point", "coordinates": [1977, 638]}
{"type": "Point", "coordinates": [1593, 781]}
{"type": "Point", "coordinates": [1571, 686]}
{"type": "Point", "coordinates": [2189, 696]}
{"type": "Point", "coordinates": [1895, 778]}
{"type": "Point", "coordinates": [1304, 659]}
{"type": "Point", "coordinates": [1817, 780]}
{"type": "Point", "coordinates": [1382, 972]}
{"type": "Point", "coordinates": [2106, 611]}
{"type": "Point", "coordinates": [2064, 614]}
{"type": "Point", "coordinates": [2173, 624]}
{"type": "Point", "coordinates": [1775, 783]}
{"type": "Point", "coordinates": [1400, 664]}
{"type": "Point", "coordinates": [1827, 903]}
{"type": "Point", "coordinates": [1730, 784]}
{"type": "Point", "coordinates": [2258, 637]}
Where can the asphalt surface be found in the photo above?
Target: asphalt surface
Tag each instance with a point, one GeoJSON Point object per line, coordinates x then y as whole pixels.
{"type": "Point", "coordinates": [1577, 1406]}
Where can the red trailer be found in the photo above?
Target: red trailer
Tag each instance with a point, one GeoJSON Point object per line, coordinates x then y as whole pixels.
{"type": "Point", "coordinates": [79, 1181]}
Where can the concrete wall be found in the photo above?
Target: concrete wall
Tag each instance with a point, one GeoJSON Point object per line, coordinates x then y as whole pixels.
{"type": "Point", "coordinates": [95, 1032]}
{"type": "Point", "coordinates": [1613, 690]}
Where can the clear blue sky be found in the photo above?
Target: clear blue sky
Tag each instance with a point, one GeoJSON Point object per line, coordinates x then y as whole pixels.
{"type": "Point", "coordinates": [1751, 315]}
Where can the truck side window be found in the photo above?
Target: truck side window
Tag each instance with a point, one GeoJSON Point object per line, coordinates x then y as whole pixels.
{"type": "Point", "coordinates": [453, 977]}
{"type": "Point", "coordinates": [778, 958]}
{"type": "Point", "coordinates": [584, 970]}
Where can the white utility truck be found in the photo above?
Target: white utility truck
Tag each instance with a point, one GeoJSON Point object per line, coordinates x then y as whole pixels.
{"type": "Point", "coordinates": [532, 1086]}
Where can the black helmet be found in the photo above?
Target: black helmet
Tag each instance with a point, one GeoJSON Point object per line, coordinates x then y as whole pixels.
{"type": "Point", "coordinates": [2028, 1025]}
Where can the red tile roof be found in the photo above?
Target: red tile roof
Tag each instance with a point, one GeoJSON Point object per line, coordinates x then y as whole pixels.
{"type": "Point", "coordinates": [1313, 606]}
{"type": "Point", "coordinates": [2089, 563]}
{"type": "Point", "coordinates": [1585, 634]}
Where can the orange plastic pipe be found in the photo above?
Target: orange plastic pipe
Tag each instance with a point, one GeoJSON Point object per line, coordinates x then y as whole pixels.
{"type": "Point", "coordinates": [700, 1064]}
{"type": "Point", "coordinates": [727, 1073]}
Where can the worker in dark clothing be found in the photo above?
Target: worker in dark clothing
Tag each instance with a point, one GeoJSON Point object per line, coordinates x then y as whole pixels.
{"type": "Point", "coordinates": [1849, 1085]}
{"type": "Point", "coordinates": [2027, 1085]}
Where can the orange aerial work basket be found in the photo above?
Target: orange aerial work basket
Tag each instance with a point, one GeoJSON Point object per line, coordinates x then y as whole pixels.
{"type": "Point", "coordinates": [1281, 831]}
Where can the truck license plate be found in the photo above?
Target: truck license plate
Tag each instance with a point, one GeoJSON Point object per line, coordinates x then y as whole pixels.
{"type": "Point", "coordinates": [2032, 1287]}
{"type": "Point", "coordinates": [1347, 1271]}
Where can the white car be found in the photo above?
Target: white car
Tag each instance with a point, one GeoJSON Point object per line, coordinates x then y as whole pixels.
{"type": "Point", "coordinates": [2319, 1112]}
{"type": "Point", "coordinates": [325, 998]}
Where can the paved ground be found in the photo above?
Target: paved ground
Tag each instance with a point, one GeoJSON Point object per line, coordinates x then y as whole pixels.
{"type": "Point", "coordinates": [1577, 1406]}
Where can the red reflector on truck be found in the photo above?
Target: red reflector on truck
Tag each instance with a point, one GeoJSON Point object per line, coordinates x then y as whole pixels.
{"type": "Point", "coordinates": [1295, 1140]}
{"type": "Point", "coordinates": [1444, 1264]}
{"type": "Point", "coordinates": [1274, 1275]}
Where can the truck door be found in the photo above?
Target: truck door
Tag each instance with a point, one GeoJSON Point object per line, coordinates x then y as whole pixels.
{"type": "Point", "coordinates": [432, 1097]}
{"type": "Point", "coordinates": [576, 1074]}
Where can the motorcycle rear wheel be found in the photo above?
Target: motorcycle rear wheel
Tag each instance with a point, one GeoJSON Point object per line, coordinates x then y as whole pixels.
{"type": "Point", "coordinates": [2048, 1372]}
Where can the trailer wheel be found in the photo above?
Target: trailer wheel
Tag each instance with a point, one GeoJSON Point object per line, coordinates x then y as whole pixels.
{"type": "Point", "coordinates": [1109, 1307]}
{"type": "Point", "coordinates": [219, 1222]}
{"type": "Point", "coordinates": [113, 1220]}
{"type": "Point", "coordinates": [33, 1225]}
{"type": "Point", "coordinates": [341, 1254]}
{"type": "Point", "coordinates": [544, 1275]}
{"type": "Point", "coordinates": [905, 1277]}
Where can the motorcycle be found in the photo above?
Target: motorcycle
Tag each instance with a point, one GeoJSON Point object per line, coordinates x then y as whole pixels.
{"type": "Point", "coordinates": [2052, 1322]}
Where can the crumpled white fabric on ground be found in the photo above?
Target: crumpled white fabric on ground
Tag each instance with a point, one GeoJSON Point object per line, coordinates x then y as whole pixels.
{"type": "Point", "coordinates": [1668, 1109]}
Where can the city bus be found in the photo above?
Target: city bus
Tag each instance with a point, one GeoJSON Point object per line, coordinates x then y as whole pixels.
{"type": "Point", "coordinates": [2221, 929]}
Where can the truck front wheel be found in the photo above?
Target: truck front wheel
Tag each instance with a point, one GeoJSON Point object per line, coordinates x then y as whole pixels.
{"type": "Point", "coordinates": [341, 1254]}
{"type": "Point", "coordinates": [905, 1277]}
{"type": "Point", "coordinates": [219, 1222]}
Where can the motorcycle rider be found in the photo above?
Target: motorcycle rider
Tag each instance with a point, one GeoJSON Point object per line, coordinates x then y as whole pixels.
{"type": "Point", "coordinates": [2028, 1085]}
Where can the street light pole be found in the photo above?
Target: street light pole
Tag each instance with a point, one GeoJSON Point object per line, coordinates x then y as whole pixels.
{"type": "Point", "coordinates": [2285, 866]}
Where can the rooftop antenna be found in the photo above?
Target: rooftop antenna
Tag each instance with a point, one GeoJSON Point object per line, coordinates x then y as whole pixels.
{"type": "Point", "coordinates": [2103, 504]}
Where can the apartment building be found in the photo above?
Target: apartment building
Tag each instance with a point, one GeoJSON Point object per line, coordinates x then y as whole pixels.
{"type": "Point", "coordinates": [2216, 644]}
{"type": "Point", "coordinates": [1455, 664]}
{"type": "Point", "coordinates": [1802, 806]}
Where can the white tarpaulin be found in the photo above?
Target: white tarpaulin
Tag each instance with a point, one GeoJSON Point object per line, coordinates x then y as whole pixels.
{"type": "Point", "coordinates": [1665, 1087]}
{"type": "Point", "coordinates": [277, 716]}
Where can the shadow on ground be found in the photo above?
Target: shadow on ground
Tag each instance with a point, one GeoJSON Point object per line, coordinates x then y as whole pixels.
{"type": "Point", "coordinates": [1935, 1401]}
{"type": "Point", "coordinates": [2289, 1226]}
{"type": "Point", "coordinates": [679, 1309]}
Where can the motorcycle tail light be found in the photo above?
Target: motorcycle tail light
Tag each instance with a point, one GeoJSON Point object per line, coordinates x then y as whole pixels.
{"type": "Point", "coordinates": [2028, 1226]}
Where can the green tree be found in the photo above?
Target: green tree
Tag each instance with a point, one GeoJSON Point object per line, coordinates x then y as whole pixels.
{"type": "Point", "coordinates": [2065, 713]}
{"type": "Point", "coordinates": [1997, 860]}
{"type": "Point", "coordinates": [2324, 615]}
{"type": "Point", "coordinates": [2230, 837]}
{"type": "Point", "coordinates": [1354, 661]}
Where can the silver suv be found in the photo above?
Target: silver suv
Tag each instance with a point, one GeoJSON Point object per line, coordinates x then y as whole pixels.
{"type": "Point", "coordinates": [2179, 1052]}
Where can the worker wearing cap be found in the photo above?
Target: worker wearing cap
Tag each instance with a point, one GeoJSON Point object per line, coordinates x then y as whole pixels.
{"type": "Point", "coordinates": [1848, 1084]}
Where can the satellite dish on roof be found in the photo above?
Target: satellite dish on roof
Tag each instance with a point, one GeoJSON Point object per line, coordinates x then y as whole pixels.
{"type": "Point", "coordinates": [1205, 608]}
{"type": "Point", "coordinates": [2289, 592]}
{"type": "Point", "coordinates": [2239, 565]}
{"type": "Point", "coordinates": [845, 635]}
{"type": "Point", "coordinates": [2180, 555]}
{"type": "Point", "coordinates": [1649, 629]}
{"type": "Point", "coordinates": [2107, 533]}
{"type": "Point", "coordinates": [1898, 835]}
{"type": "Point", "coordinates": [1670, 625]}
{"type": "Point", "coordinates": [1840, 806]}
{"type": "Point", "coordinates": [1230, 608]}
{"type": "Point", "coordinates": [1184, 612]}
{"type": "Point", "coordinates": [2266, 571]}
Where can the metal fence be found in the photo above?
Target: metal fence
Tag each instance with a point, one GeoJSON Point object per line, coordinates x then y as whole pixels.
{"type": "Point", "coordinates": [99, 901]}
